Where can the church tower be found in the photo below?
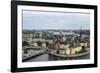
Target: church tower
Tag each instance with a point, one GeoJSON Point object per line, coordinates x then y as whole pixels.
{"type": "Point", "coordinates": [81, 34]}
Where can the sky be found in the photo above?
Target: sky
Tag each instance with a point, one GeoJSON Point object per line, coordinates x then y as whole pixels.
{"type": "Point", "coordinates": [40, 20]}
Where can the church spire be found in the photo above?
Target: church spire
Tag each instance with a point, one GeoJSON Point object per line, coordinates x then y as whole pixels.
{"type": "Point", "coordinates": [81, 33]}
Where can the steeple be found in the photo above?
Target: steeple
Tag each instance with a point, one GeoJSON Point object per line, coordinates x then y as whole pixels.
{"type": "Point", "coordinates": [81, 33]}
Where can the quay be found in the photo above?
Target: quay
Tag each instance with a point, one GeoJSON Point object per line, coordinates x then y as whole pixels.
{"type": "Point", "coordinates": [53, 52]}
{"type": "Point", "coordinates": [32, 53]}
{"type": "Point", "coordinates": [75, 55]}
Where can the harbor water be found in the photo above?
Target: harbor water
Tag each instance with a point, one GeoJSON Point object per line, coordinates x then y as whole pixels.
{"type": "Point", "coordinates": [48, 57]}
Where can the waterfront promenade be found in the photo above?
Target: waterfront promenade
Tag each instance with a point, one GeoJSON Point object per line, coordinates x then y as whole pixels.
{"type": "Point", "coordinates": [31, 53]}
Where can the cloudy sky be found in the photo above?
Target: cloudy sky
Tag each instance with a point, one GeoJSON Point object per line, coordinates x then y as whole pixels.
{"type": "Point", "coordinates": [38, 20]}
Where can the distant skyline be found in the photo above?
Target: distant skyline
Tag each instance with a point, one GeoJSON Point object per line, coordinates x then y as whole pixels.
{"type": "Point", "coordinates": [34, 20]}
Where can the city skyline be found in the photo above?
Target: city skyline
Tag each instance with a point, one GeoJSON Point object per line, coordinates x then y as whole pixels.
{"type": "Point", "coordinates": [39, 20]}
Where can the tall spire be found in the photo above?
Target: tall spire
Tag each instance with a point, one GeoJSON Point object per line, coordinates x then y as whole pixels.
{"type": "Point", "coordinates": [81, 33]}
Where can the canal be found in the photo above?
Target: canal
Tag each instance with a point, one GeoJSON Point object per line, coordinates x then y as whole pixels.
{"type": "Point", "coordinates": [49, 57]}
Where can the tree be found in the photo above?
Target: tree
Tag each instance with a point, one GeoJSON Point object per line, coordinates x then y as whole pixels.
{"type": "Point", "coordinates": [83, 47]}
{"type": "Point", "coordinates": [47, 43]}
{"type": "Point", "coordinates": [39, 43]}
{"type": "Point", "coordinates": [24, 43]}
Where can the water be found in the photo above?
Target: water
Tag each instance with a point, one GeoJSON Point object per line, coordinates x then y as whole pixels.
{"type": "Point", "coordinates": [49, 57]}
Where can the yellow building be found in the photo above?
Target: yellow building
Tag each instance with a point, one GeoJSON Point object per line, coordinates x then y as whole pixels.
{"type": "Point", "coordinates": [74, 50]}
